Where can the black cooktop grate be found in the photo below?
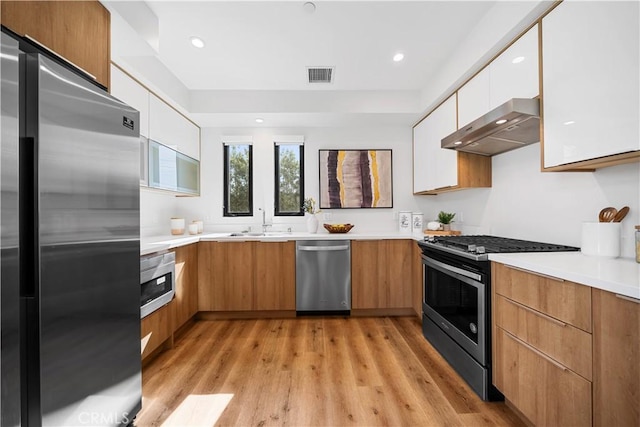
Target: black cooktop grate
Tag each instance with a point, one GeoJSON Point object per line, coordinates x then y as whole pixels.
{"type": "Point", "coordinates": [494, 244]}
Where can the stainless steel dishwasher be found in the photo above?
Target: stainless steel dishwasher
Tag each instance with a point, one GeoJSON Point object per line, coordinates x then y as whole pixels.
{"type": "Point", "coordinates": [323, 277]}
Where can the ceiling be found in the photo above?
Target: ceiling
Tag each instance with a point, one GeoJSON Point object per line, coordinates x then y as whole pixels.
{"type": "Point", "coordinates": [256, 54]}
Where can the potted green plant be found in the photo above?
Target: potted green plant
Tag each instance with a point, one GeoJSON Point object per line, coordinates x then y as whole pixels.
{"type": "Point", "coordinates": [309, 208]}
{"type": "Point", "coordinates": [446, 218]}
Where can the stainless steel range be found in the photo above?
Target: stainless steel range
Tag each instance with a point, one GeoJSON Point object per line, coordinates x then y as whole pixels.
{"type": "Point", "coordinates": [456, 302]}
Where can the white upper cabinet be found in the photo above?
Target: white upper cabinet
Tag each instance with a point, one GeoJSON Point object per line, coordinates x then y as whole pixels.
{"type": "Point", "coordinates": [435, 167]}
{"type": "Point", "coordinates": [133, 93]}
{"type": "Point", "coordinates": [172, 129]}
{"type": "Point", "coordinates": [474, 97]}
{"type": "Point", "coordinates": [513, 74]}
{"type": "Point", "coordinates": [591, 75]}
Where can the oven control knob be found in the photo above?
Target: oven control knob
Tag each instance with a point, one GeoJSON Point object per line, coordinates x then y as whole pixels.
{"type": "Point", "coordinates": [471, 248]}
{"type": "Point", "coordinates": [480, 249]}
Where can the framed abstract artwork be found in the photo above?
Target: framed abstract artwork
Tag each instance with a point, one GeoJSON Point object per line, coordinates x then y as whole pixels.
{"type": "Point", "coordinates": [355, 179]}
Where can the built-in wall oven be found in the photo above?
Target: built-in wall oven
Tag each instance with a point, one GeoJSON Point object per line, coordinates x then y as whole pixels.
{"type": "Point", "coordinates": [457, 301]}
{"type": "Point", "coordinates": [157, 272]}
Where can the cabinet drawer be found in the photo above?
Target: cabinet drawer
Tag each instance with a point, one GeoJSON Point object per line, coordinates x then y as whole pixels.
{"type": "Point", "coordinates": [546, 392]}
{"type": "Point", "coordinates": [566, 344]}
{"type": "Point", "coordinates": [561, 299]}
{"type": "Point", "coordinates": [155, 330]}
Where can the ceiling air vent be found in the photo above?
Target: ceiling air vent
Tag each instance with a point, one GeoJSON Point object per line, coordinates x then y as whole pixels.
{"type": "Point", "coordinates": [320, 74]}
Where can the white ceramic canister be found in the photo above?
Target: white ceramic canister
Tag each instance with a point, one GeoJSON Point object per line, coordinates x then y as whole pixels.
{"type": "Point", "coordinates": [193, 228]}
{"type": "Point", "coordinates": [200, 225]}
{"type": "Point", "coordinates": [404, 221]}
{"type": "Point", "coordinates": [601, 239]}
{"type": "Point", "coordinates": [177, 226]}
{"type": "Point", "coordinates": [416, 221]}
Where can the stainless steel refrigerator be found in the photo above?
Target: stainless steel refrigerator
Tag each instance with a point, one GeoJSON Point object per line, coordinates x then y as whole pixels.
{"type": "Point", "coordinates": [69, 276]}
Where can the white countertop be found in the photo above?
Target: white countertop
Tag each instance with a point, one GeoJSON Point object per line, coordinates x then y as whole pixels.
{"type": "Point", "coordinates": [617, 275]}
{"type": "Point", "coordinates": [149, 245]}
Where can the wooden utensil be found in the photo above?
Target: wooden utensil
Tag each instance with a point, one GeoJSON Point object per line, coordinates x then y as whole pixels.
{"type": "Point", "coordinates": [621, 214]}
{"type": "Point", "coordinates": [607, 214]}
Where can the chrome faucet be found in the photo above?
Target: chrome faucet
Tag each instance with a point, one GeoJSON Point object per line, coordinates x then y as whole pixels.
{"type": "Point", "coordinates": [264, 221]}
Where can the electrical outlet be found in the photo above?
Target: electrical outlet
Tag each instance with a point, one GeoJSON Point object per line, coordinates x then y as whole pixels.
{"type": "Point", "coordinates": [328, 216]}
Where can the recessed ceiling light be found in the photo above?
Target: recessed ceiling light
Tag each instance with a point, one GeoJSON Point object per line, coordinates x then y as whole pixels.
{"type": "Point", "coordinates": [501, 121]}
{"type": "Point", "coordinates": [457, 143]}
{"type": "Point", "coordinates": [517, 59]}
{"type": "Point", "coordinates": [259, 120]}
{"type": "Point", "coordinates": [570, 122]}
{"type": "Point", "coordinates": [398, 57]}
{"type": "Point", "coordinates": [197, 42]}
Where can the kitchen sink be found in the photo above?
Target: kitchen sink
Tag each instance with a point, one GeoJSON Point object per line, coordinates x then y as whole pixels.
{"type": "Point", "coordinates": [257, 234]}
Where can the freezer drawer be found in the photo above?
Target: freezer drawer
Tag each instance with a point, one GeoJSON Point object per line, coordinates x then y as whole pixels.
{"type": "Point", "coordinates": [323, 276]}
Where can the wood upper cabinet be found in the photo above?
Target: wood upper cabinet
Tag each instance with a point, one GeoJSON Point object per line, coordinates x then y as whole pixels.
{"type": "Point", "coordinates": [513, 74]}
{"type": "Point", "coordinates": [616, 360]}
{"type": "Point", "coordinates": [438, 170]}
{"type": "Point", "coordinates": [382, 273]}
{"type": "Point", "coordinates": [590, 69]}
{"type": "Point", "coordinates": [79, 31]}
{"type": "Point", "coordinates": [185, 301]}
{"type": "Point", "coordinates": [243, 276]}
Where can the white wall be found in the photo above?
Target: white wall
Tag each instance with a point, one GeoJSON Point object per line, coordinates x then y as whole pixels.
{"type": "Point", "coordinates": [156, 209]}
{"type": "Point", "coordinates": [209, 206]}
{"type": "Point", "coordinates": [550, 207]}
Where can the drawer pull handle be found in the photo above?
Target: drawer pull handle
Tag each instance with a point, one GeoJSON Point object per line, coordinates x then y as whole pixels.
{"type": "Point", "coordinates": [626, 298]}
{"type": "Point", "coordinates": [536, 351]}
{"type": "Point", "coordinates": [537, 313]}
{"type": "Point", "coordinates": [534, 273]}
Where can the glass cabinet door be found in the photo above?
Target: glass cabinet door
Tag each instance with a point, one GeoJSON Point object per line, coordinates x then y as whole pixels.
{"type": "Point", "coordinates": [173, 171]}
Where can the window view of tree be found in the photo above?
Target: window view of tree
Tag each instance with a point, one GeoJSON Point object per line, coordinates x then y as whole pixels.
{"type": "Point", "coordinates": [238, 191]}
{"type": "Point", "coordinates": [289, 179]}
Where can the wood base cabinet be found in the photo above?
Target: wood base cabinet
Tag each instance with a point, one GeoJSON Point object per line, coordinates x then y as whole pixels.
{"type": "Point", "coordinates": [542, 345]}
{"type": "Point", "coordinates": [546, 392]}
{"type": "Point", "coordinates": [616, 360]}
{"type": "Point", "coordinates": [382, 273]}
{"type": "Point", "coordinates": [156, 330]}
{"type": "Point", "coordinates": [245, 276]}
{"type": "Point", "coordinates": [79, 31]}
{"type": "Point", "coordinates": [185, 301]}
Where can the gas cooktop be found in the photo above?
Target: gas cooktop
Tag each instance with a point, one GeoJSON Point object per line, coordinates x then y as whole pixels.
{"type": "Point", "coordinates": [478, 246]}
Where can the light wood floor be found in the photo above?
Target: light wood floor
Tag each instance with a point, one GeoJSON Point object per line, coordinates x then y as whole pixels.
{"type": "Point", "coordinates": [310, 372]}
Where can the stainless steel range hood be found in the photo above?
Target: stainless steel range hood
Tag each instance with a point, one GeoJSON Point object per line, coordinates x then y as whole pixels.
{"type": "Point", "coordinates": [512, 125]}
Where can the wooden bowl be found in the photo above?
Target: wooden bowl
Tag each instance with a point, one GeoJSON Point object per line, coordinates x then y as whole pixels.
{"type": "Point", "coordinates": [338, 228]}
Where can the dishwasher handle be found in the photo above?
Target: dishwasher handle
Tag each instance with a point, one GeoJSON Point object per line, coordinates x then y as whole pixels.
{"type": "Point", "coordinates": [323, 248]}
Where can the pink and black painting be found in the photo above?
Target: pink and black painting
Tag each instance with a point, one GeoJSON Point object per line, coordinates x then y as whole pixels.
{"type": "Point", "coordinates": [355, 179]}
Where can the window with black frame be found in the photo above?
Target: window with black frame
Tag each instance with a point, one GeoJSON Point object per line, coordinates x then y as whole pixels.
{"type": "Point", "coordinates": [289, 179]}
{"type": "Point", "coordinates": [238, 179]}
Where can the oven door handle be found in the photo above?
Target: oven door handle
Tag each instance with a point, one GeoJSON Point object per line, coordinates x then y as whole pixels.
{"type": "Point", "coordinates": [449, 268]}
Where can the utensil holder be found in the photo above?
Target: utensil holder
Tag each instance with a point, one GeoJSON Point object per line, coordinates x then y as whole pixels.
{"type": "Point", "coordinates": [601, 239]}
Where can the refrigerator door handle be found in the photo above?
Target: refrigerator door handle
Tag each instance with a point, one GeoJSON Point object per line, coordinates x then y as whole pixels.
{"type": "Point", "coordinates": [28, 236]}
